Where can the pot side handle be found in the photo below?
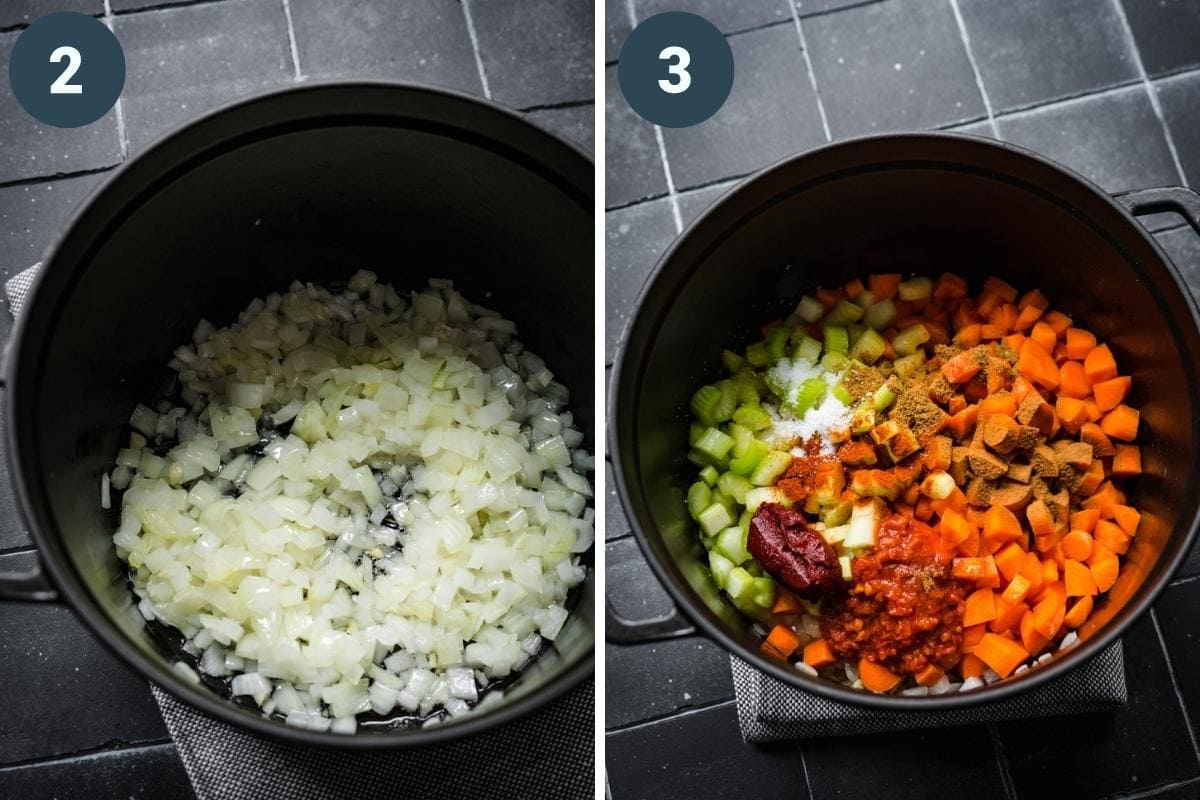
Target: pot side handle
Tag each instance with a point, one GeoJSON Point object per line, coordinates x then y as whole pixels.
{"type": "Point", "coordinates": [28, 586]}
{"type": "Point", "coordinates": [1174, 199]}
{"type": "Point", "coordinates": [619, 630]}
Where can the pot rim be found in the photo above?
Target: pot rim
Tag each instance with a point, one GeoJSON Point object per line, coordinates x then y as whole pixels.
{"type": "Point", "coordinates": [1063, 661]}
{"type": "Point", "coordinates": [63, 576]}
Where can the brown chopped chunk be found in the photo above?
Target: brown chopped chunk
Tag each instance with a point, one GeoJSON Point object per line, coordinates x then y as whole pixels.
{"type": "Point", "coordinates": [1044, 462]}
{"type": "Point", "coordinates": [945, 352]}
{"type": "Point", "coordinates": [1071, 478]}
{"type": "Point", "coordinates": [1012, 495]}
{"type": "Point", "coordinates": [1021, 473]}
{"type": "Point", "coordinates": [958, 464]}
{"type": "Point", "coordinates": [1057, 502]}
{"type": "Point", "coordinates": [938, 451]}
{"type": "Point", "coordinates": [1028, 437]}
{"type": "Point", "coordinates": [1029, 407]}
{"type": "Point", "coordinates": [915, 409]}
{"type": "Point", "coordinates": [940, 390]}
{"type": "Point", "coordinates": [985, 464]}
{"type": "Point", "coordinates": [999, 374]}
{"type": "Point", "coordinates": [1000, 432]}
{"type": "Point", "coordinates": [1075, 454]}
{"type": "Point", "coordinates": [979, 492]}
{"type": "Point", "coordinates": [857, 454]}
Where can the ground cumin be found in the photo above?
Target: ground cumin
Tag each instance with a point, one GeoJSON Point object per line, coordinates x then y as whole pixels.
{"type": "Point", "coordinates": [915, 409]}
{"type": "Point", "coordinates": [861, 380]}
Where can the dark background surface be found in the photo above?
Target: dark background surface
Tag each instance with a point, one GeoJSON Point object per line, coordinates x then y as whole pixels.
{"type": "Point", "coordinates": [1109, 87]}
{"type": "Point", "coordinates": [74, 721]}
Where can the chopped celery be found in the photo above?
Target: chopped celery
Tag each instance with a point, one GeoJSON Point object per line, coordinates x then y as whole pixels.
{"type": "Point", "coordinates": [866, 299]}
{"type": "Point", "coordinates": [742, 436]}
{"type": "Point", "coordinates": [841, 393]}
{"type": "Point", "coordinates": [728, 402]}
{"type": "Point", "coordinates": [908, 340]}
{"type": "Point", "coordinates": [863, 418]}
{"type": "Point", "coordinates": [756, 354]}
{"type": "Point", "coordinates": [777, 340]}
{"type": "Point", "coordinates": [837, 534]}
{"type": "Point", "coordinates": [715, 518]}
{"type": "Point", "coordinates": [868, 347]}
{"type": "Point", "coordinates": [725, 500]}
{"type": "Point", "coordinates": [884, 396]}
{"type": "Point", "coordinates": [720, 566]}
{"type": "Point", "coordinates": [837, 339]}
{"type": "Point", "coordinates": [704, 404]}
{"type": "Point", "coordinates": [745, 388]}
{"type": "Point", "coordinates": [699, 497]}
{"type": "Point", "coordinates": [702, 459]}
{"type": "Point", "coordinates": [737, 584]}
{"type": "Point", "coordinates": [809, 350]}
{"type": "Point", "coordinates": [880, 315]}
{"type": "Point", "coordinates": [709, 475]}
{"type": "Point", "coordinates": [778, 386]}
{"type": "Point", "coordinates": [908, 365]}
{"type": "Point", "coordinates": [843, 313]}
{"type": "Point", "coordinates": [837, 514]}
{"type": "Point", "coordinates": [732, 361]}
{"type": "Point", "coordinates": [915, 289]}
{"type": "Point", "coordinates": [746, 463]}
{"type": "Point", "coordinates": [810, 309]}
{"type": "Point", "coordinates": [811, 392]}
{"type": "Point", "coordinates": [833, 361]}
{"type": "Point", "coordinates": [847, 570]}
{"type": "Point", "coordinates": [765, 494]}
{"type": "Point", "coordinates": [732, 545]}
{"type": "Point", "coordinates": [864, 524]}
{"type": "Point", "coordinates": [695, 431]}
{"type": "Point", "coordinates": [754, 417]}
{"type": "Point", "coordinates": [762, 592]}
{"type": "Point", "coordinates": [774, 464]}
{"type": "Point", "coordinates": [855, 331]}
{"type": "Point", "coordinates": [735, 486]}
{"type": "Point", "coordinates": [715, 444]}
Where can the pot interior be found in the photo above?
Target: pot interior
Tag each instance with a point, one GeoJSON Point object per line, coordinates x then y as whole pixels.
{"type": "Point", "coordinates": [913, 205]}
{"type": "Point", "coordinates": [308, 186]}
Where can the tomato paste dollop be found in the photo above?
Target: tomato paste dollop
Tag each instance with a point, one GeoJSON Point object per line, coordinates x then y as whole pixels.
{"type": "Point", "coordinates": [782, 541]}
{"type": "Point", "coordinates": [903, 610]}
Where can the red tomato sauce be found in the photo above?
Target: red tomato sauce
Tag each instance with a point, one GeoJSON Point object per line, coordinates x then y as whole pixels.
{"type": "Point", "coordinates": [903, 609]}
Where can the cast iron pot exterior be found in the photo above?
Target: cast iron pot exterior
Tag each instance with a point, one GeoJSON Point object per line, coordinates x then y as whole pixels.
{"type": "Point", "coordinates": [310, 183]}
{"type": "Point", "coordinates": [920, 203]}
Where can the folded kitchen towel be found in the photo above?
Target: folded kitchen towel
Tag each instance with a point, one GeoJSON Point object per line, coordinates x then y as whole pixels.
{"type": "Point", "coordinates": [547, 754]}
{"type": "Point", "coordinates": [769, 709]}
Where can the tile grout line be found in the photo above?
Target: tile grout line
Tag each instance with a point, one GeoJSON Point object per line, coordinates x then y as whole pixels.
{"type": "Point", "coordinates": [966, 40]}
{"type": "Point", "coordinates": [483, 80]}
{"type": "Point", "coordinates": [1010, 789]}
{"type": "Point", "coordinates": [1187, 717]}
{"type": "Point", "coordinates": [292, 44]}
{"type": "Point", "coordinates": [58, 176]}
{"type": "Point", "coordinates": [1151, 94]}
{"type": "Point", "coordinates": [808, 66]}
{"type": "Point", "coordinates": [687, 712]}
{"type": "Point", "coordinates": [86, 755]}
{"type": "Point", "coordinates": [122, 134]}
{"type": "Point", "coordinates": [804, 769]}
{"type": "Point", "coordinates": [1157, 791]}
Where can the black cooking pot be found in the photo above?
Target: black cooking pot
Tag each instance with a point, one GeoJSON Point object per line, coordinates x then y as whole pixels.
{"type": "Point", "coordinates": [920, 203]}
{"type": "Point", "coordinates": [310, 183]}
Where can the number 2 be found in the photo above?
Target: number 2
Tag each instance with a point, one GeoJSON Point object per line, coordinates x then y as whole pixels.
{"type": "Point", "coordinates": [63, 85]}
{"type": "Point", "coordinates": [677, 69]}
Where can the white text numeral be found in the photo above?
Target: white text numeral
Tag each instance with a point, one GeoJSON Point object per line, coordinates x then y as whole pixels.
{"type": "Point", "coordinates": [678, 70]}
{"type": "Point", "coordinates": [63, 85]}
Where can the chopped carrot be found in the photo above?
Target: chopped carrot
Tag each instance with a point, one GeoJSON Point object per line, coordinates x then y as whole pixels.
{"type": "Point", "coordinates": [1074, 381]}
{"type": "Point", "coordinates": [1092, 479]}
{"type": "Point", "coordinates": [1110, 393]}
{"type": "Point", "coordinates": [1100, 552]}
{"type": "Point", "coordinates": [1104, 498]}
{"type": "Point", "coordinates": [1078, 579]}
{"type": "Point", "coordinates": [930, 675]}
{"type": "Point", "coordinates": [1112, 536]}
{"type": "Point", "coordinates": [969, 335]}
{"type": "Point", "coordinates": [1031, 639]}
{"type": "Point", "coordinates": [1105, 573]}
{"type": "Point", "coordinates": [781, 642]}
{"type": "Point", "coordinates": [1127, 461]}
{"type": "Point", "coordinates": [1004, 404]}
{"type": "Point", "coordinates": [980, 607]}
{"type": "Point", "coordinates": [981, 569]}
{"type": "Point", "coordinates": [785, 602]}
{"type": "Point", "coordinates": [949, 286]}
{"type": "Point", "coordinates": [1127, 517]}
{"type": "Point", "coordinates": [884, 285]}
{"type": "Point", "coordinates": [1121, 423]}
{"type": "Point", "coordinates": [1026, 318]}
{"type": "Point", "coordinates": [1058, 321]}
{"type": "Point", "coordinates": [1034, 298]}
{"type": "Point", "coordinates": [971, 637]}
{"type": "Point", "coordinates": [828, 297]}
{"type": "Point", "coordinates": [1040, 521]}
{"type": "Point", "coordinates": [1001, 654]}
{"type": "Point", "coordinates": [1017, 590]}
{"type": "Point", "coordinates": [1077, 614]}
{"type": "Point", "coordinates": [1091, 433]}
{"type": "Point", "coordinates": [1093, 410]}
{"type": "Point", "coordinates": [971, 666]}
{"type": "Point", "coordinates": [1004, 317]}
{"type": "Point", "coordinates": [1036, 364]}
{"type": "Point", "coordinates": [1001, 525]}
{"type": "Point", "coordinates": [1049, 571]}
{"type": "Point", "coordinates": [1002, 289]}
{"type": "Point", "coordinates": [1009, 560]}
{"type": "Point", "coordinates": [1044, 335]}
{"type": "Point", "coordinates": [1077, 545]}
{"type": "Point", "coordinates": [1007, 615]}
{"type": "Point", "coordinates": [1085, 520]}
{"type": "Point", "coordinates": [1100, 364]}
{"type": "Point", "coordinates": [955, 528]}
{"type": "Point", "coordinates": [1071, 413]}
{"type": "Point", "coordinates": [854, 288]}
{"type": "Point", "coordinates": [1079, 342]}
{"type": "Point", "coordinates": [961, 368]}
{"type": "Point", "coordinates": [1049, 611]}
{"type": "Point", "coordinates": [818, 654]}
{"type": "Point", "coordinates": [876, 678]}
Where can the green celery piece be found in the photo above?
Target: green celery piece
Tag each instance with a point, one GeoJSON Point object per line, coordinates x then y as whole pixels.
{"type": "Point", "coordinates": [915, 289]}
{"type": "Point", "coordinates": [837, 514]}
{"type": "Point", "coordinates": [812, 391]}
{"type": "Point", "coordinates": [855, 331]}
{"type": "Point", "coordinates": [738, 584]}
{"type": "Point", "coordinates": [754, 417]}
{"type": "Point", "coordinates": [715, 444]}
{"type": "Point", "coordinates": [699, 497]}
{"type": "Point", "coordinates": [745, 385]}
{"type": "Point", "coordinates": [709, 475]}
{"type": "Point", "coordinates": [909, 364]}
{"type": "Point", "coordinates": [715, 518]}
{"type": "Point", "coordinates": [732, 361]}
{"type": "Point", "coordinates": [745, 465]}
{"type": "Point", "coordinates": [762, 592]}
{"type": "Point", "coordinates": [908, 340]}
{"type": "Point", "coordinates": [868, 347]}
{"type": "Point", "coordinates": [863, 417]}
{"type": "Point", "coordinates": [778, 386]}
{"type": "Point", "coordinates": [756, 354]}
{"type": "Point", "coordinates": [732, 545]}
{"type": "Point", "coordinates": [880, 315]}
{"type": "Point", "coordinates": [777, 340]}
{"type": "Point", "coordinates": [843, 313]}
{"type": "Point", "coordinates": [884, 396]}
{"type": "Point", "coordinates": [841, 393]}
{"type": "Point", "coordinates": [702, 459]}
{"type": "Point", "coordinates": [730, 504]}
{"type": "Point", "coordinates": [720, 567]}
{"type": "Point", "coordinates": [837, 339]}
{"type": "Point", "coordinates": [735, 486]}
{"type": "Point", "coordinates": [810, 309]}
{"type": "Point", "coordinates": [832, 362]}
{"type": "Point", "coordinates": [742, 437]}
{"type": "Point", "coordinates": [809, 349]}
{"type": "Point", "coordinates": [774, 464]}
{"type": "Point", "coordinates": [728, 402]}
{"type": "Point", "coordinates": [865, 299]}
{"type": "Point", "coordinates": [704, 404]}
{"type": "Point", "coordinates": [695, 431]}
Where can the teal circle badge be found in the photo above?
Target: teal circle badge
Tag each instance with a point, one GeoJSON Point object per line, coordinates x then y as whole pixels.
{"type": "Point", "coordinates": [67, 69]}
{"type": "Point", "coordinates": [675, 69]}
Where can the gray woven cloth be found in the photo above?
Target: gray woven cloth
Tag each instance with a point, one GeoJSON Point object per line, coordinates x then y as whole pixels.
{"type": "Point", "coordinates": [547, 755]}
{"type": "Point", "coordinates": [769, 709]}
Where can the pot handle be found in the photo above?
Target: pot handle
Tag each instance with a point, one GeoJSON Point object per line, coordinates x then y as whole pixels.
{"type": "Point", "coordinates": [29, 586]}
{"type": "Point", "coordinates": [619, 630]}
{"type": "Point", "coordinates": [1176, 199]}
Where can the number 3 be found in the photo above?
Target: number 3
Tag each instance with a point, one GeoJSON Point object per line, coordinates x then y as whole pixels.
{"type": "Point", "coordinates": [62, 84]}
{"type": "Point", "coordinates": [678, 70]}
